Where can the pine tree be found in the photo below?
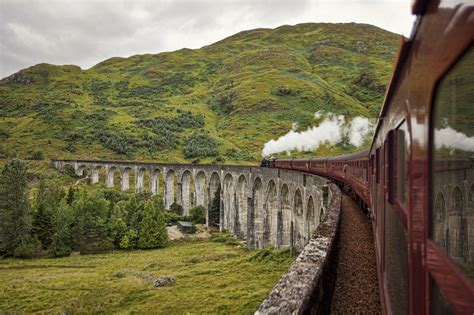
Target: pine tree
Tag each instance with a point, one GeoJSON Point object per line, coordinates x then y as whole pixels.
{"type": "Point", "coordinates": [42, 220]}
{"type": "Point", "coordinates": [152, 228]}
{"type": "Point", "coordinates": [90, 231]}
{"type": "Point", "coordinates": [117, 223]}
{"type": "Point", "coordinates": [134, 212]}
{"type": "Point", "coordinates": [70, 195]}
{"type": "Point", "coordinates": [47, 200]}
{"type": "Point", "coordinates": [129, 240]}
{"type": "Point", "coordinates": [15, 216]}
{"type": "Point", "coordinates": [214, 209]}
{"type": "Point", "coordinates": [61, 238]}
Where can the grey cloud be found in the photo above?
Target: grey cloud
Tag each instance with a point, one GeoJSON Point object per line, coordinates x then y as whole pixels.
{"type": "Point", "coordinates": [89, 31]}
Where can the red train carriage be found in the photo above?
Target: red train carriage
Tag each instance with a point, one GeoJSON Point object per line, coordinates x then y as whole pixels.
{"type": "Point", "coordinates": [421, 249]}
{"type": "Point", "coordinates": [418, 175]}
{"type": "Point", "coordinates": [351, 169]}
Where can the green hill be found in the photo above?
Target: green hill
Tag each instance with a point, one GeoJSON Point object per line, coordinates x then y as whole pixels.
{"type": "Point", "coordinates": [221, 102]}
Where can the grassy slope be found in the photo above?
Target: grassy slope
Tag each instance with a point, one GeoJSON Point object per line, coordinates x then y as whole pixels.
{"type": "Point", "coordinates": [210, 278]}
{"type": "Point", "coordinates": [249, 87]}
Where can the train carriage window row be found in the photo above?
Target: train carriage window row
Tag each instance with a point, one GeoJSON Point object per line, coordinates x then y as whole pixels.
{"type": "Point", "coordinates": [452, 225]}
{"type": "Point", "coordinates": [452, 189]}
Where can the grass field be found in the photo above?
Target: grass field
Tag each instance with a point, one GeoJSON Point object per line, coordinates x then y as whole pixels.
{"type": "Point", "coordinates": [210, 278]}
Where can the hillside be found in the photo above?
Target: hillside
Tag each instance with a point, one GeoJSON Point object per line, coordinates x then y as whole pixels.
{"type": "Point", "coordinates": [221, 102]}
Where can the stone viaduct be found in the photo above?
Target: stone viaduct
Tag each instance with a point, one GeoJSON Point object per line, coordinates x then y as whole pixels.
{"type": "Point", "coordinates": [453, 206]}
{"type": "Point", "coordinates": [259, 205]}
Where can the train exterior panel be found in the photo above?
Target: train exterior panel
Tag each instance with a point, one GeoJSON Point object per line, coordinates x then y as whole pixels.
{"type": "Point", "coordinates": [417, 178]}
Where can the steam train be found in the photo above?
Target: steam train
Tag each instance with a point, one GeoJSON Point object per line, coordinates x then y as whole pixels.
{"type": "Point", "coordinates": [416, 180]}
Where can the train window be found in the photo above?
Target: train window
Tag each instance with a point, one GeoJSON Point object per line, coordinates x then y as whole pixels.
{"type": "Point", "coordinates": [452, 185]}
{"type": "Point", "coordinates": [377, 165]}
{"type": "Point", "coordinates": [390, 169]}
{"type": "Point", "coordinates": [402, 158]}
{"type": "Point", "coordinates": [372, 164]}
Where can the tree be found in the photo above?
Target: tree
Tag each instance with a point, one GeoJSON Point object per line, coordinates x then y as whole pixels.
{"type": "Point", "coordinates": [15, 216]}
{"type": "Point", "coordinates": [47, 200]}
{"type": "Point", "coordinates": [134, 210]}
{"type": "Point", "coordinates": [129, 240]}
{"type": "Point", "coordinates": [215, 208]}
{"type": "Point", "coordinates": [152, 228]}
{"type": "Point", "coordinates": [42, 225]}
{"type": "Point", "coordinates": [61, 238]}
{"type": "Point", "coordinates": [90, 231]}
{"type": "Point", "coordinates": [70, 195]}
{"type": "Point", "coordinates": [117, 223]}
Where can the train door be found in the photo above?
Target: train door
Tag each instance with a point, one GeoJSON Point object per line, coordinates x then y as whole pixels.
{"type": "Point", "coordinates": [395, 254]}
{"type": "Point", "coordinates": [379, 209]}
{"type": "Point", "coordinates": [371, 183]}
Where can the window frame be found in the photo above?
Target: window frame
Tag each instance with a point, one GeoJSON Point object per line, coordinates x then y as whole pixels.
{"type": "Point", "coordinates": [436, 257]}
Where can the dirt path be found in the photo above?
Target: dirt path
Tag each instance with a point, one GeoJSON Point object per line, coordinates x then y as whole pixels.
{"type": "Point", "coordinates": [356, 290]}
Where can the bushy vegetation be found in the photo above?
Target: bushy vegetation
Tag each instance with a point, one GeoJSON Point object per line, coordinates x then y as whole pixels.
{"type": "Point", "coordinates": [238, 155]}
{"type": "Point", "coordinates": [15, 212]}
{"type": "Point", "coordinates": [59, 222]}
{"type": "Point", "coordinates": [270, 255]}
{"type": "Point", "coordinates": [240, 92]}
{"type": "Point", "coordinates": [199, 144]}
{"type": "Point", "coordinates": [198, 214]}
{"type": "Point", "coordinates": [225, 238]}
{"type": "Point", "coordinates": [214, 209]}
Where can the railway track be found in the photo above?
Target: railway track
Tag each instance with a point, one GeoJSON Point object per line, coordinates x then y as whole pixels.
{"type": "Point", "coordinates": [356, 290]}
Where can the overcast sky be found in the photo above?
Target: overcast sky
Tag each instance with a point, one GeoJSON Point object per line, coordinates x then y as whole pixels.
{"type": "Point", "coordinates": [85, 32]}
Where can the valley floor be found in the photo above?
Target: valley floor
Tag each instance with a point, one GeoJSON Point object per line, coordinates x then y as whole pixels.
{"type": "Point", "coordinates": [210, 278]}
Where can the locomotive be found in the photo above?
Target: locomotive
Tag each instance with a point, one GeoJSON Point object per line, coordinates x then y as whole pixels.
{"type": "Point", "coordinates": [416, 179]}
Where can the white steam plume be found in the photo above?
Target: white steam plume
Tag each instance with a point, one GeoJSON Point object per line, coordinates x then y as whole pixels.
{"type": "Point", "coordinates": [451, 139]}
{"type": "Point", "coordinates": [331, 130]}
{"type": "Point", "coordinates": [359, 129]}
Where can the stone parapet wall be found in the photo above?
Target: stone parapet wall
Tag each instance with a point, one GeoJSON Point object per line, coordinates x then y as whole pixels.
{"type": "Point", "coordinates": [308, 285]}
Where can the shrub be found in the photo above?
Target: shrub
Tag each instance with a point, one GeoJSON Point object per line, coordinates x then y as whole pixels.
{"type": "Point", "coordinates": [69, 170]}
{"type": "Point", "coordinates": [198, 214]}
{"type": "Point", "coordinates": [177, 208]}
{"type": "Point", "coordinates": [199, 144]}
{"type": "Point", "coordinates": [238, 155]}
{"type": "Point", "coordinates": [219, 159]}
{"type": "Point", "coordinates": [222, 98]}
{"type": "Point", "coordinates": [29, 249]}
{"type": "Point", "coordinates": [114, 196]}
{"type": "Point", "coordinates": [37, 155]}
{"type": "Point", "coordinates": [285, 91]}
{"type": "Point", "coordinates": [117, 142]}
{"type": "Point", "coordinates": [268, 255]}
{"type": "Point", "coordinates": [225, 238]}
{"type": "Point", "coordinates": [171, 218]}
{"type": "Point", "coordinates": [69, 147]}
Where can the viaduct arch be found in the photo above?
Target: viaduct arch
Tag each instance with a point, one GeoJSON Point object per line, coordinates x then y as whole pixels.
{"type": "Point", "coordinates": [259, 205]}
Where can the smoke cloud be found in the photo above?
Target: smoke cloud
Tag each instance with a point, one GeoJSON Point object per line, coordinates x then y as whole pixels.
{"type": "Point", "coordinates": [451, 139]}
{"type": "Point", "coordinates": [332, 130]}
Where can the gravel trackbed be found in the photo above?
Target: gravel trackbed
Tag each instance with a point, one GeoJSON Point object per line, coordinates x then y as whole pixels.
{"type": "Point", "coordinates": [356, 290]}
